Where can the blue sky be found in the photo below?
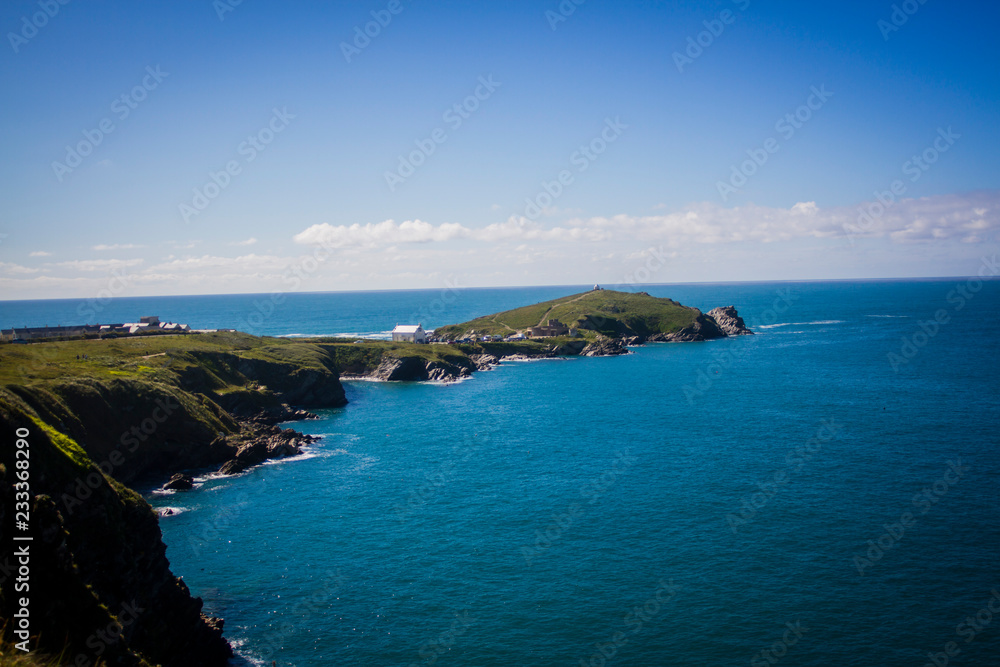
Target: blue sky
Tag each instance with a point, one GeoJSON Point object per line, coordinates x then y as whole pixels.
{"type": "Point", "coordinates": [667, 187]}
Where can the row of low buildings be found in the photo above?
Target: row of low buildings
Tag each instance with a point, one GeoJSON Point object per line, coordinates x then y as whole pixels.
{"type": "Point", "coordinates": [149, 323]}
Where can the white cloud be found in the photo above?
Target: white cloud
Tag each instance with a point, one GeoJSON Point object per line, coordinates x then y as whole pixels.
{"type": "Point", "coordinates": [249, 241]}
{"type": "Point", "coordinates": [382, 233]}
{"type": "Point", "coordinates": [389, 233]}
{"type": "Point", "coordinates": [116, 246]}
{"type": "Point", "coordinates": [701, 242]}
{"type": "Point", "coordinates": [15, 269]}
{"type": "Point", "coordinates": [805, 208]}
{"type": "Point", "coordinates": [251, 263]}
{"type": "Point", "coordinates": [98, 264]}
{"type": "Point", "coordinates": [968, 218]}
{"type": "Point", "coordinates": [39, 253]}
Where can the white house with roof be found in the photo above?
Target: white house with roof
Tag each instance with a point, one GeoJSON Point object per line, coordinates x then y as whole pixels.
{"type": "Point", "coordinates": [409, 333]}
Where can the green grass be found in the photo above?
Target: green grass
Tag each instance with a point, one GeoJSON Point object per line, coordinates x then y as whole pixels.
{"type": "Point", "coordinates": [605, 311]}
{"type": "Point", "coordinates": [66, 445]}
{"type": "Point", "coordinates": [149, 357]}
{"type": "Point", "coordinates": [166, 358]}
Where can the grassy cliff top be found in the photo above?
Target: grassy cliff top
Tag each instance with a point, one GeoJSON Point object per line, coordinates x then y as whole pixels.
{"type": "Point", "coordinates": [147, 357]}
{"type": "Point", "coordinates": [165, 358]}
{"type": "Point", "coordinates": [602, 311]}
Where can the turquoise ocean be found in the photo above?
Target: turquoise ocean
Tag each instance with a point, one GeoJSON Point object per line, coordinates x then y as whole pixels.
{"type": "Point", "coordinates": [826, 492]}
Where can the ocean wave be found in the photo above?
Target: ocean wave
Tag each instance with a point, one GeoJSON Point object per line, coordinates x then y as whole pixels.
{"type": "Point", "coordinates": [304, 456]}
{"type": "Point", "coordinates": [892, 316]}
{"type": "Point", "coordinates": [170, 511]}
{"type": "Point", "coordinates": [797, 324]}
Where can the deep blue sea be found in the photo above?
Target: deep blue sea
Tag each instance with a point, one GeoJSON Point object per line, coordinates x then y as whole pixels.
{"type": "Point", "coordinates": [826, 492]}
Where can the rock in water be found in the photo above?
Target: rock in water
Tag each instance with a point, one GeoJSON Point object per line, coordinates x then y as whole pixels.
{"type": "Point", "coordinates": [180, 481]}
{"type": "Point", "coordinates": [729, 321]}
{"type": "Point", "coordinates": [604, 347]}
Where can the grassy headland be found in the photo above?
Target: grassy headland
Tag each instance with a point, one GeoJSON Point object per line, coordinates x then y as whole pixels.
{"type": "Point", "coordinates": [606, 312]}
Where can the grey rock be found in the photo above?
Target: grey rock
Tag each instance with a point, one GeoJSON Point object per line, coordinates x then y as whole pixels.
{"type": "Point", "coordinates": [729, 321]}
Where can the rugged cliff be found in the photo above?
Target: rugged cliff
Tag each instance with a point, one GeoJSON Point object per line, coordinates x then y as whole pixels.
{"type": "Point", "coordinates": [100, 415]}
{"type": "Point", "coordinates": [99, 585]}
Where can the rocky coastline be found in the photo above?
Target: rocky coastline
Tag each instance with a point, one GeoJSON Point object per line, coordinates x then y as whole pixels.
{"type": "Point", "coordinates": [94, 437]}
{"type": "Point", "coordinates": [717, 323]}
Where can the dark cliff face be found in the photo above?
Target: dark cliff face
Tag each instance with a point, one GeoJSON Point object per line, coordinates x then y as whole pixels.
{"type": "Point", "coordinates": [101, 585]}
{"type": "Point", "coordinates": [308, 387]}
{"type": "Point", "coordinates": [139, 429]}
{"type": "Point", "coordinates": [143, 429]}
{"type": "Point", "coordinates": [406, 369]}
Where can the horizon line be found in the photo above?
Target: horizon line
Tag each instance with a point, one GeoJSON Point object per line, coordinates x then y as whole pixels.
{"type": "Point", "coordinates": [636, 286]}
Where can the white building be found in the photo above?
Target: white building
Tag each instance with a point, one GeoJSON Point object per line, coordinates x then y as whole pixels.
{"type": "Point", "coordinates": [409, 333]}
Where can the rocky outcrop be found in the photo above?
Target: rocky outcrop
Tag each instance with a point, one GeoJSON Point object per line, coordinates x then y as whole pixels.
{"type": "Point", "coordinates": [716, 323]}
{"type": "Point", "coordinates": [484, 362]}
{"type": "Point", "coordinates": [703, 328]}
{"type": "Point", "coordinates": [258, 443]}
{"type": "Point", "coordinates": [604, 347]}
{"type": "Point", "coordinates": [417, 369]}
{"type": "Point", "coordinates": [729, 321]}
{"type": "Point", "coordinates": [180, 482]}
